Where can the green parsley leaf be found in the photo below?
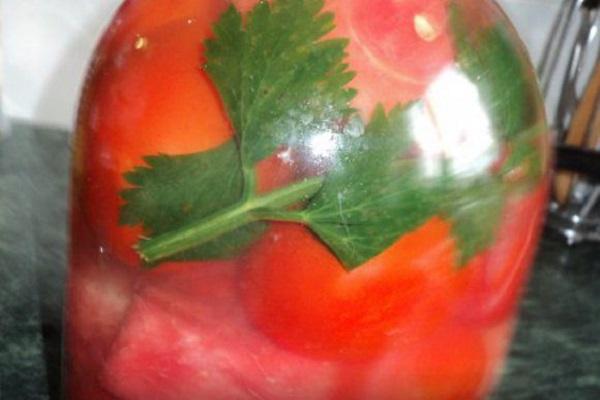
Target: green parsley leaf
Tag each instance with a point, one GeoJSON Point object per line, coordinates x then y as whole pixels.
{"type": "Point", "coordinates": [474, 208]}
{"type": "Point", "coordinates": [375, 192]}
{"type": "Point", "coordinates": [172, 191]}
{"type": "Point", "coordinates": [492, 62]}
{"type": "Point", "coordinates": [277, 76]}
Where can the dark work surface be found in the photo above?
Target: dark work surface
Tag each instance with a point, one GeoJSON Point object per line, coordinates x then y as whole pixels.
{"type": "Point", "coordinates": [555, 355]}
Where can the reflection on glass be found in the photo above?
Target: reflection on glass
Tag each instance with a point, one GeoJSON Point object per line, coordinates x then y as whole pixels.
{"type": "Point", "coordinates": [453, 129]}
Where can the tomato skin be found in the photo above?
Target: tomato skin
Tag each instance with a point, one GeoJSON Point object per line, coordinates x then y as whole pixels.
{"type": "Point", "coordinates": [298, 293]}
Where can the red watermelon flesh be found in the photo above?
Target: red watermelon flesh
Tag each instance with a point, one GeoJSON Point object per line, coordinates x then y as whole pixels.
{"type": "Point", "coordinates": [186, 338]}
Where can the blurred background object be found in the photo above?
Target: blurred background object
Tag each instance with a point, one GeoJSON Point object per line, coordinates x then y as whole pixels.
{"type": "Point", "coordinates": [569, 72]}
{"type": "Point", "coordinates": [3, 130]}
{"type": "Point", "coordinates": [47, 45]}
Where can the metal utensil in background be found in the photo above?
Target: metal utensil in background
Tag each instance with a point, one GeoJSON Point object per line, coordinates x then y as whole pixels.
{"type": "Point", "coordinates": [570, 78]}
{"type": "Point", "coordinates": [581, 133]}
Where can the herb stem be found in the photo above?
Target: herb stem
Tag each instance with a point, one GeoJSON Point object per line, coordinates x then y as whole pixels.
{"type": "Point", "coordinates": [245, 212]}
{"type": "Point", "coordinates": [281, 215]}
{"type": "Point", "coordinates": [249, 183]}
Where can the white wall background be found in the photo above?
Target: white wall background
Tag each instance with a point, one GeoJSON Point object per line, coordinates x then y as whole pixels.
{"type": "Point", "coordinates": [47, 45]}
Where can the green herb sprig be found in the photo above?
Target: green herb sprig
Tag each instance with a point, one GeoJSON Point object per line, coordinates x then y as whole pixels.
{"type": "Point", "coordinates": [282, 83]}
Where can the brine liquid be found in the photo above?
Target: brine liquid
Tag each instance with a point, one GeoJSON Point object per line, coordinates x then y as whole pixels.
{"type": "Point", "coordinates": [445, 102]}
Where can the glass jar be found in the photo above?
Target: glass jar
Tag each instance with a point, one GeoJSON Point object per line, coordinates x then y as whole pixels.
{"type": "Point", "coordinates": [302, 199]}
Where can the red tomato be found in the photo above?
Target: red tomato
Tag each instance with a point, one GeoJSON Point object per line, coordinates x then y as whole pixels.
{"type": "Point", "coordinates": [386, 37]}
{"type": "Point", "coordinates": [298, 293]}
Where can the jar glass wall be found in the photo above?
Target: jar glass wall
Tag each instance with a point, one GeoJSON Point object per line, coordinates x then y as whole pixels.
{"type": "Point", "coordinates": [302, 199]}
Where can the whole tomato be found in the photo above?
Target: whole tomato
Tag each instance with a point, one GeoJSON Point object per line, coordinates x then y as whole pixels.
{"type": "Point", "coordinates": [397, 48]}
{"type": "Point", "coordinates": [298, 293]}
